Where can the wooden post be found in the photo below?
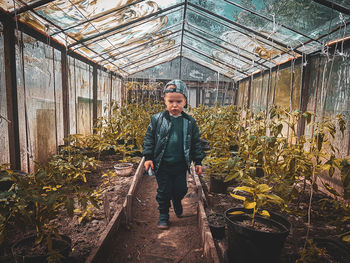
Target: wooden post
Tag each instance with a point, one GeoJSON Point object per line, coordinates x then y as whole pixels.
{"type": "Point", "coordinates": [304, 96]}
{"type": "Point", "coordinates": [11, 94]}
{"type": "Point", "coordinates": [94, 96]}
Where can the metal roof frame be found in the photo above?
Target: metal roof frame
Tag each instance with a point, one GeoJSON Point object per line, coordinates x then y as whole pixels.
{"type": "Point", "coordinates": [238, 25]}
{"type": "Point", "coordinates": [131, 62]}
{"type": "Point", "coordinates": [268, 19]}
{"type": "Point", "coordinates": [153, 55]}
{"type": "Point", "coordinates": [29, 7]}
{"type": "Point", "coordinates": [334, 6]}
{"type": "Point", "coordinates": [126, 24]}
{"type": "Point", "coordinates": [225, 48]}
{"type": "Point", "coordinates": [131, 43]}
{"type": "Point", "coordinates": [235, 29]}
{"type": "Point", "coordinates": [143, 44]}
{"type": "Point", "coordinates": [203, 64]}
{"type": "Point", "coordinates": [231, 44]}
{"type": "Point", "coordinates": [125, 28]}
{"type": "Point", "coordinates": [99, 16]}
{"type": "Point", "coordinates": [215, 59]}
{"type": "Point", "coordinates": [207, 38]}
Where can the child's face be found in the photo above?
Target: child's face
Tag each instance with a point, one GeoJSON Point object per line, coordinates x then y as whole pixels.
{"type": "Point", "coordinates": [175, 102]}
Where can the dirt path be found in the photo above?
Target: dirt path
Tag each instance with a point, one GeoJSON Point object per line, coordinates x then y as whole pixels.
{"type": "Point", "coordinates": [142, 241]}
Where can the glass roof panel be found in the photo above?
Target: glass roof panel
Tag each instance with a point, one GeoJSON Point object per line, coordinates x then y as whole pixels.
{"type": "Point", "coordinates": [141, 32]}
{"type": "Point", "coordinates": [218, 53]}
{"type": "Point", "coordinates": [246, 35]}
{"type": "Point", "coordinates": [136, 55]}
{"type": "Point", "coordinates": [166, 70]}
{"type": "Point", "coordinates": [141, 48]}
{"type": "Point", "coordinates": [226, 43]}
{"type": "Point", "coordinates": [102, 15]}
{"type": "Point", "coordinates": [153, 60]}
{"type": "Point", "coordinates": [235, 35]}
{"type": "Point", "coordinates": [192, 71]}
{"type": "Point", "coordinates": [344, 3]}
{"type": "Point", "coordinates": [10, 5]}
{"type": "Point", "coordinates": [294, 14]}
{"type": "Point", "coordinates": [260, 24]}
{"type": "Point", "coordinates": [152, 39]}
{"type": "Point", "coordinates": [207, 62]}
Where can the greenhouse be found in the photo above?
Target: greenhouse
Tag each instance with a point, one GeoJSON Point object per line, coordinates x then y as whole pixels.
{"type": "Point", "coordinates": [175, 131]}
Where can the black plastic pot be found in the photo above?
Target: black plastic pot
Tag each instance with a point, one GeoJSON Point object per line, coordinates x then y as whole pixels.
{"type": "Point", "coordinates": [246, 245]}
{"type": "Point", "coordinates": [217, 225]}
{"type": "Point", "coordinates": [334, 247]}
{"type": "Point", "coordinates": [63, 246]}
{"type": "Point", "coordinates": [217, 185]}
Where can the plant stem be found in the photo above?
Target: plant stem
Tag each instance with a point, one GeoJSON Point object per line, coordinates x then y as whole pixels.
{"type": "Point", "coordinates": [309, 208]}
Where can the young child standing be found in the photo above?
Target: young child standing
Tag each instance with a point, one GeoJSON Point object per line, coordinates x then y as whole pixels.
{"type": "Point", "coordinates": [171, 143]}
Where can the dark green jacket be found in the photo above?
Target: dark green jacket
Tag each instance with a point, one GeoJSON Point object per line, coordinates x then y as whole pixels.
{"type": "Point", "coordinates": [157, 136]}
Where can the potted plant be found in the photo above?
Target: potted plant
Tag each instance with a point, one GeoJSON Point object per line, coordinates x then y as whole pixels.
{"type": "Point", "coordinates": [255, 234]}
{"type": "Point", "coordinates": [217, 225]}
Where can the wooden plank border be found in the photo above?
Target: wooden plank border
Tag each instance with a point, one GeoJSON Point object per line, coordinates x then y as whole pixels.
{"type": "Point", "coordinates": [107, 237]}
{"type": "Point", "coordinates": [209, 248]}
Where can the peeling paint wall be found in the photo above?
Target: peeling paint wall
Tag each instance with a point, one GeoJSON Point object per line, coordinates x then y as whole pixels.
{"type": "Point", "coordinates": [4, 149]}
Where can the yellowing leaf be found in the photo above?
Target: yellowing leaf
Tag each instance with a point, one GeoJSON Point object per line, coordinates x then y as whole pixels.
{"type": "Point", "coordinates": [249, 205]}
{"type": "Point", "coordinates": [244, 189]}
{"type": "Point", "coordinates": [236, 213]}
{"type": "Point", "coordinates": [238, 197]}
{"type": "Point", "coordinates": [264, 213]}
{"type": "Point", "coordinates": [262, 188]}
{"type": "Point", "coordinates": [346, 238]}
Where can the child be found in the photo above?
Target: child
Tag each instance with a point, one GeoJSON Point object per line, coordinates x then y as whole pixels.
{"type": "Point", "coordinates": [171, 143]}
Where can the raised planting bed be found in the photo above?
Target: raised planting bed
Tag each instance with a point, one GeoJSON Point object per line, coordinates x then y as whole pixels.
{"type": "Point", "coordinates": [88, 237]}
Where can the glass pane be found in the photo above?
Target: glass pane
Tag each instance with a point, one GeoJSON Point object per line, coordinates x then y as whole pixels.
{"type": "Point", "coordinates": [204, 61]}
{"type": "Point", "coordinates": [116, 92]}
{"type": "Point", "coordinates": [216, 52]}
{"type": "Point", "coordinates": [344, 3]}
{"type": "Point", "coordinates": [103, 92]}
{"type": "Point", "coordinates": [83, 99]}
{"type": "Point", "coordinates": [264, 26]}
{"type": "Point", "coordinates": [227, 41]}
{"type": "Point", "coordinates": [154, 60]}
{"type": "Point", "coordinates": [123, 48]}
{"type": "Point", "coordinates": [38, 100]}
{"type": "Point", "coordinates": [139, 53]}
{"type": "Point", "coordinates": [236, 36]}
{"type": "Point", "coordinates": [59, 97]}
{"type": "Point", "coordinates": [167, 70]}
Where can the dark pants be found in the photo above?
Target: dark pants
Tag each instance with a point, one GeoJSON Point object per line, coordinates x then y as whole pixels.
{"type": "Point", "coordinates": [172, 185]}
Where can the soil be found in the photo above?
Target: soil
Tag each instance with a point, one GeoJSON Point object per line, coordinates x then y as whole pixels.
{"type": "Point", "coordinates": [323, 223]}
{"type": "Point", "coordinates": [85, 235]}
{"type": "Point", "coordinates": [142, 241]}
{"type": "Point", "coordinates": [216, 220]}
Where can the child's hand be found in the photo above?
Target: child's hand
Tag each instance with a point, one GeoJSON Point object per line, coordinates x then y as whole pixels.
{"type": "Point", "coordinates": [148, 164]}
{"type": "Point", "coordinates": [198, 169]}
